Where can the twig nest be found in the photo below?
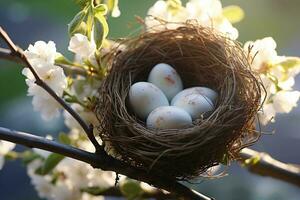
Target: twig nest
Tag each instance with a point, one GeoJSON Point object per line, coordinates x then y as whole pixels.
{"type": "Point", "coordinates": [202, 58]}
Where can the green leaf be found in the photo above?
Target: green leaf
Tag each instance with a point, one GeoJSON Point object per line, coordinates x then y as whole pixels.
{"type": "Point", "coordinates": [29, 156]}
{"type": "Point", "coordinates": [290, 62]}
{"type": "Point", "coordinates": [64, 138]}
{"type": "Point", "coordinates": [233, 13]}
{"type": "Point", "coordinates": [225, 159]}
{"type": "Point", "coordinates": [100, 29]}
{"type": "Point", "coordinates": [11, 155]}
{"type": "Point", "coordinates": [113, 7]}
{"type": "Point", "coordinates": [50, 163]}
{"type": "Point", "coordinates": [95, 191]}
{"type": "Point", "coordinates": [60, 59]}
{"type": "Point", "coordinates": [82, 3]}
{"type": "Point", "coordinates": [76, 22]}
{"type": "Point", "coordinates": [131, 189]}
{"type": "Point", "coordinates": [89, 23]}
{"type": "Point", "coordinates": [252, 161]}
{"type": "Point", "coordinates": [100, 9]}
{"type": "Point", "coordinates": [111, 4]}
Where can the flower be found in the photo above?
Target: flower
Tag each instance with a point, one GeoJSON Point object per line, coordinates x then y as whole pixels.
{"type": "Point", "coordinates": [262, 52]}
{"type": "Point", "coordinates": [42, 57]}
{"type": "Point", "coordinates": [81, 46]}
{"type": "Point", "coordinates": [5, 147]}
{"type": "Point", "coordinates": [285, 101]}
{"type": "Point", "coordinates": [41, 53]}
{"type": "Point", "coordinates": [205, 12]}
{"type": "Point", "coordinates": [55, 78]}
{"type": "Point", "coordinates": [42, 184]}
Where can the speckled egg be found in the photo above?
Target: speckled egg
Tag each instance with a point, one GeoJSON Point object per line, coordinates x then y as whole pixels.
{"type": "Point", "coordinates": [144, 97]}
{"type": "Point", "coordinates": [168, 117]}
{"type": "Point", "coordinates": [211, 94]}
{"type": "Point", "coordinates": [166, 78]}
{"type": "Point", "coordinates": [195, 104]}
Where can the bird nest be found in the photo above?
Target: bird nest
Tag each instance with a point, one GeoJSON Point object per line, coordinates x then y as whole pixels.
{"type": "Point", "coordinates": [202, 57]}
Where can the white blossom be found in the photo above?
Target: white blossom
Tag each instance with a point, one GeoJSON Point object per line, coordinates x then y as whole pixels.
{"type": "Point", "coordinates": [42, 57]}
{"type": "Point", "coordinates": [42, 184]}
{"type": "Point", "coordinates": [285, 101]}
{"type": "Point", "coordinates": [41, 53]}
{"type": "Point", "coordinates": [79, 175]}
{"type": "Point", "coordinates": [65, 191]}
{"type": "Point", "coordinates": [205, 12]}
{"type": "Point", "coordinates": [263, 51]}
{"type": "Point", "coordinates": [81, 46]}
{"type": "Point", "coordinates": [5, 147]}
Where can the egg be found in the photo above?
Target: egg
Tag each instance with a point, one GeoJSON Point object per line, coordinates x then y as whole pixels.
{"type": "Point", "coordinates": [168, 117]}
{"type": "Point", "coordinates": [211, 94]}
{"type": "Point", "coordinates": [166, 78]}
{"type": "Point", "coordinates": [194, 104]}
{"type": "Point", "coordinates": [144, 97]}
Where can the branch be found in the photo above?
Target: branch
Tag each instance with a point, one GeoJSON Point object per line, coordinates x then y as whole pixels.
{"type": "Point", "coordinates": [103, 161]}
{"type": "Point", "coordinates": [263, 164]}
{"type": "Point", "coordinates": [17, 54]}
{"type": "Point", "coordinates": [7, 55]}
{"type": "Point", "coordinates": [100, 159]}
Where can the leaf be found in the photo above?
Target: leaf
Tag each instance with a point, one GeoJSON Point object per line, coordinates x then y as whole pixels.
{"type": "Point", "coordinates": [100, 9]}
{"type": "Point", "coordinates": [113, 7]}
{"type": "Point", "coordinates": [111, 4]}
{"type": "Point", "coordinates": [233, 13]}
{"type": "Point", "coordinates": [76, 22]}
{"type": "Point", "coordinates": [100, 29]}
{"type": "Point", "coordinates": [225, 160]}
{"type": "Point", "coordinates": [60, 59]}
{"type": "Point", "coordinates": [131, 189]}
{"type": "Point", "coordinates": [11, 155]}
{"type": "Point", "coordinates": [64, 138]}
{"type": "Point", "coordinates": [29, 156]}
{"type": "Point", "coordinates": [82, 3]}
{"type": "Point", "coordinates": [50, 163]}
{"type": "Point", "coordinates": [290, 62]}
{"type": "Point", "coordinates": [252, 161]}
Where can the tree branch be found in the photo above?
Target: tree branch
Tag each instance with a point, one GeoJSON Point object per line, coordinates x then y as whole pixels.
{"type": "Point", "coordinates": [263, 164]}
{"type": "Point", "coordinates": [103, 161]}
{"type": "Point", "coordinates": [100, 159]}
{"type": "Point", "coordinates": [17, 54]}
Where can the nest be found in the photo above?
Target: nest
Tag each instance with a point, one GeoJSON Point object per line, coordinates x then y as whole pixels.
{"type": "Point", "coordinates": [202, 57]}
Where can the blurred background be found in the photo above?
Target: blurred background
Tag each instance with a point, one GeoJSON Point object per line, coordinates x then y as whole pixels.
{"type": "Point", "coordinates": [32, 20]}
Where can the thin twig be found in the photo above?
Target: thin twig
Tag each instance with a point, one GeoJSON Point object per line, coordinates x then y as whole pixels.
{"type": "Point", "coordinates": [73, 70]}
{"type": "Point", "coordinates": [6, 54]}
{"type": "Point", "coordinates": [264, 165]}
{"type": "Point", "coordinates": [18, 53]}
{"type": "Point", "coordinates": [104, 162]}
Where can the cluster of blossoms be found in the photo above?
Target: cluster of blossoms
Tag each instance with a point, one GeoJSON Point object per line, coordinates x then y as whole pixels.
{"type": "Point", "coordinates": [70, 177]}
{"type": "Point", "coordinates": [205, 13]}
{"type": "Point", "coordinates": [278, 76]}
{"type": "Point", "coordinates": [42, 56]}
{"type": "Point", "coordinates": [5, 147]}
